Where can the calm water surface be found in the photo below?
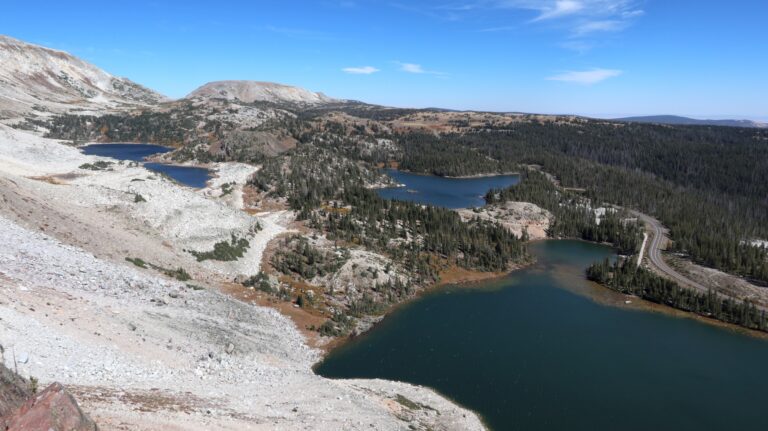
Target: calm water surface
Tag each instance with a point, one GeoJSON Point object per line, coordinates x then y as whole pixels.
{"type": "Point", "coordinates": [532, 351]}
{"type": "Point", "coordinates": [446, 192]}
{"type": "Point", "coordinates": [528, 353]}
{"type": "Point", "coordinates": [187, 175]}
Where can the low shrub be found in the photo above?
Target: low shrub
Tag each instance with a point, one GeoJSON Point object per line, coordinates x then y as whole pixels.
{"type": "Point", "coordinates": [224, 251]}
{"type": "Point", "coordinates": [99, 165]}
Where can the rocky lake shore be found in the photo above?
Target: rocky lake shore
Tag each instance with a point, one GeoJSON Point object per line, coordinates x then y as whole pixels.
{"type": "Point", "coordinates": [143, 350]}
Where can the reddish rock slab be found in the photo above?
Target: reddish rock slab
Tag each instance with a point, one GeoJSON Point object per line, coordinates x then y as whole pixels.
{"type": "Point", "coordinates": [54, 409]}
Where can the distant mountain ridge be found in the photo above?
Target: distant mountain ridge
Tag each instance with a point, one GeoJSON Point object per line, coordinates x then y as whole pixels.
{"type": "Point", "coordinates": [678, 120]}
{"type": "Point", "coordinates": [259, 91]}
{"type": "Point", "coordinates": [35, 80]}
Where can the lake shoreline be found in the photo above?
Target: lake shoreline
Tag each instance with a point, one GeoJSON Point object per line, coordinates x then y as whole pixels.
{"type": "Point", "coordinates": [514, 323]}
{"type": "Point", "coordinates": [456, 277]}
{"type": "Point", "coordinates": [468, 279]}
{"type": "Point", "coordinates": [151, 157]}
{"type": "Point", "coordinates": [645, 305]}
{"type": "Point", "coordinates": [487, 175]}
{"type": "Point", "coordinates": [446, 192]}
{"type": "Point", "coordinates": [169, 146]}
{"type": "Point", "coordinates": [459, 177]}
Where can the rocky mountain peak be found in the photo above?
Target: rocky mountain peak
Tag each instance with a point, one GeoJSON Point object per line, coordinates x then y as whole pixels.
{"type": "Point", "coordinates": [258, 91]}
{"type": "Point", "coordinates": [35, 80]}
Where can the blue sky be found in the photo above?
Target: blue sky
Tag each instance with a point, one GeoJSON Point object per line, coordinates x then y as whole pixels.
{"type": "Point", "coordinates": [609, 58]}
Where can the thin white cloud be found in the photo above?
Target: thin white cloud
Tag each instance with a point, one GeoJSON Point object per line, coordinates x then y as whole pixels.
{"type": "Point", "coordinates": [363, 70]}
{"type": "Point", "coordinates": [586, 77]}
{"type": "Point", "coordinates": [599, 26]}
{"type": "Point", "coordinates": [559, 9]}
{"type": "Point", "coordinates": [416, 68]}
{"type": "Point", "coordinates": [578, 18]}
{"type": "Point", "coordinates": [632, 13]}
{"type": "Point", "coordinates": [577, 12]}
{"type": "Point", "coordinates": [412, 68]}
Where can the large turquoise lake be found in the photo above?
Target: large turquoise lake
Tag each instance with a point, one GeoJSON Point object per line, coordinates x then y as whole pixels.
{"type": "Point", "coordinates": [536, 351]}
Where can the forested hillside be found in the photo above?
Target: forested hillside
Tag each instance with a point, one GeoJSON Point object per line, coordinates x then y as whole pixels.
{"type": "Point", "coordinates": [626, 277]}
{"type": "Point", "coordinates": [709, 185]}
{"type": "Point", "coordinates": [329, 192]}
{"type": "Point", "coordinates": [574, 215]}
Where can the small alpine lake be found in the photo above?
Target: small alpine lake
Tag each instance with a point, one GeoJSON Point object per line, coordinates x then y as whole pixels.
{"type": "Point", "coordinates": [545, 349]}
{"type": "Point", "coordinates": [188, 175]}
{"type": "Point", "coordinates": [445, 192]}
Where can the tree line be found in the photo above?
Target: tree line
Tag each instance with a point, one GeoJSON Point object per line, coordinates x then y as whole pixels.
{"type": "Point", "coordinates": [708, 185]}
{"type": "Point", "coordinates": [625, 277]}
{"type": "Point", "coordinates": [329, 192]}
{"type": "Point", "coordinates": [573, 215]}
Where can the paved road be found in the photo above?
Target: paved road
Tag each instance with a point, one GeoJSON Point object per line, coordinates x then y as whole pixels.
{"type": "Point", "coordinates": [655, 259]}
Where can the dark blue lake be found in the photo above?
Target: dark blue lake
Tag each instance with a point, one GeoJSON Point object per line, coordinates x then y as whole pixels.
{"type": "Point", "coordinates": [445, 192]}
{"type": "Point", "coordinates": [533, 351]}
{"type": "Point", "coordinates": [188, 175]}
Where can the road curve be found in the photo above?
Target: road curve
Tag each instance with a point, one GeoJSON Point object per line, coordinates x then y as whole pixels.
{"type": "Point", "coordinates": [655, 259]}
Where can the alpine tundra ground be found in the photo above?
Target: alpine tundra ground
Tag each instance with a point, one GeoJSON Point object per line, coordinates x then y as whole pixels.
{"type": "Point", "coordinates": [142, 350]}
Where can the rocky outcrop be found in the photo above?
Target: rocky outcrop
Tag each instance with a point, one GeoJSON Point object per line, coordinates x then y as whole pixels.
{"type": "Point", "coordinates": [53, 409]}
{"type": "Point", "coordinates": [517, 217]}
{"type": "Point", "coordinates": [257, 91]}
